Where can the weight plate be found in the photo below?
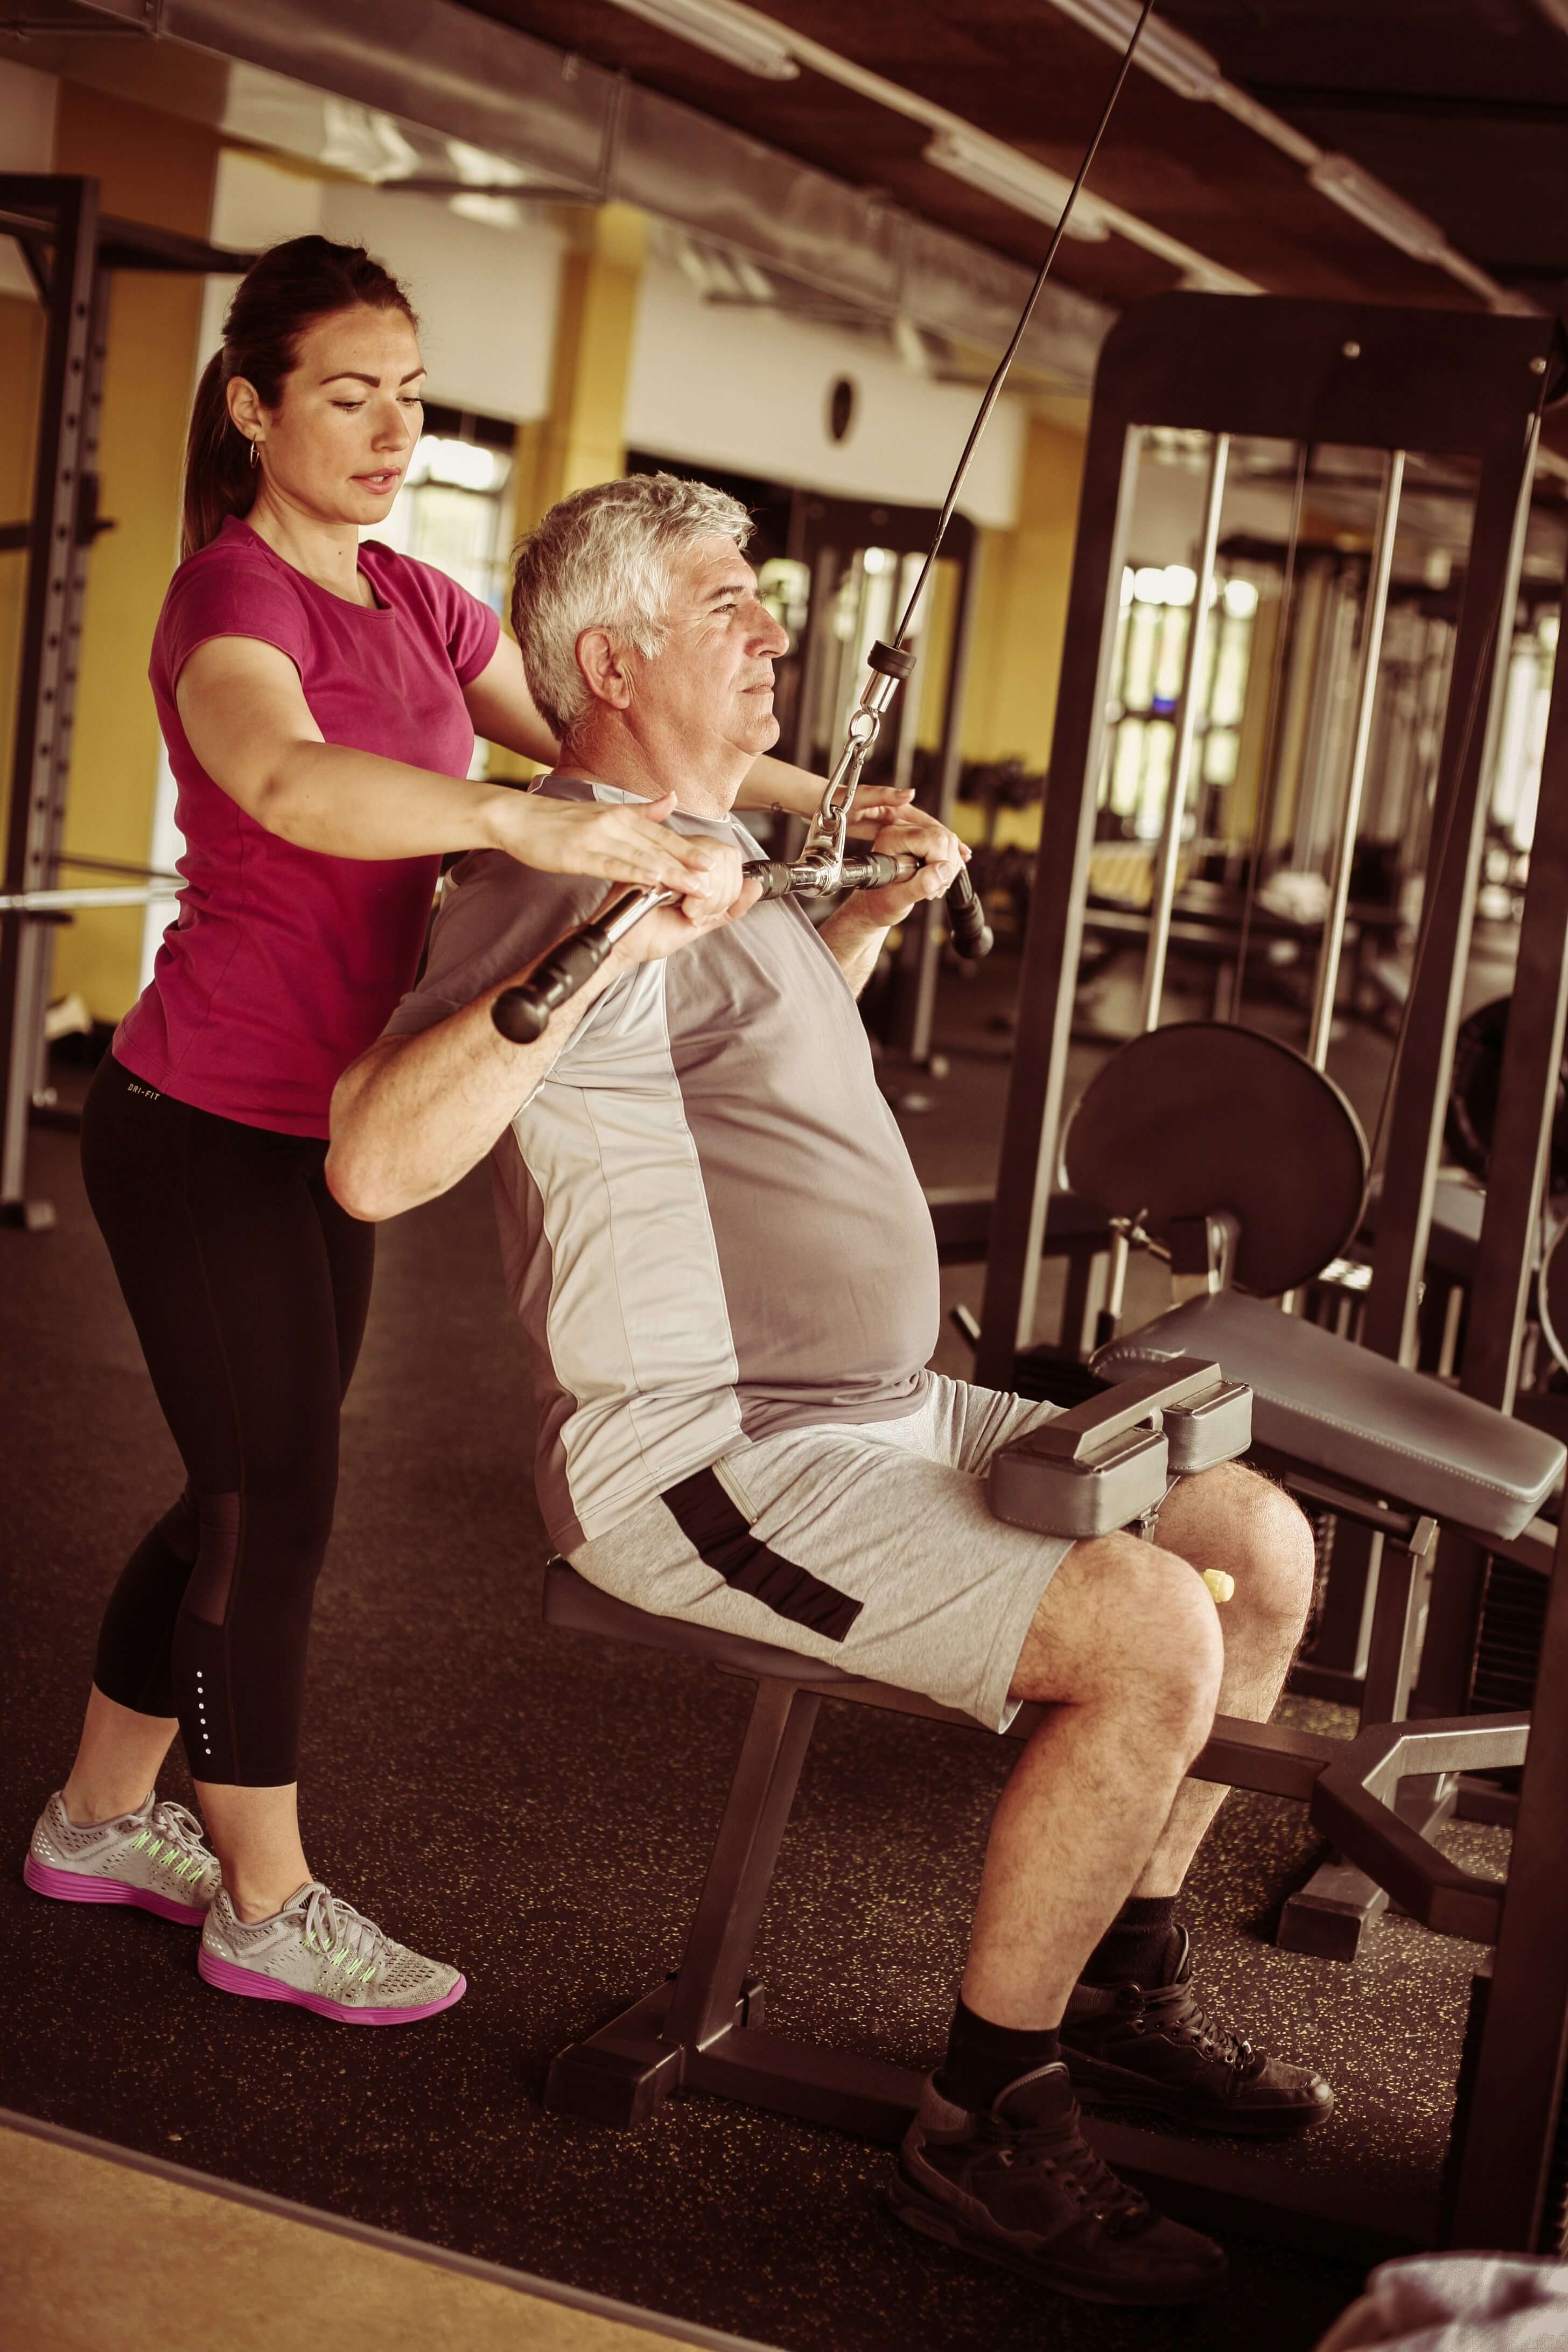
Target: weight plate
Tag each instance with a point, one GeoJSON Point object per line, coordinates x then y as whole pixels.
{"type": "Point", "coordinates": [1552, 1296]}
{"type": "Point", "coordinates": [1473, 1095]}
{"type": "Point", "coordinates": [1204, 1117]}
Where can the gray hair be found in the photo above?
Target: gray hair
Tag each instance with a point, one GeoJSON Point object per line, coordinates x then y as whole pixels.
{"type": "Point", "coordinates": [602, 559]}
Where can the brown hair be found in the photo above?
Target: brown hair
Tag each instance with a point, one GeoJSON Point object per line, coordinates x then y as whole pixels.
{"type": "Point", "coordinates": [286, 290]}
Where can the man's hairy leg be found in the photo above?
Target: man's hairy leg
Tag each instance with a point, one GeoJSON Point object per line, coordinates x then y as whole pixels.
{"type": "Point", "coordinates": [1125, 1648]}
{"type": "Point", "coordinates": [1232, 1520]}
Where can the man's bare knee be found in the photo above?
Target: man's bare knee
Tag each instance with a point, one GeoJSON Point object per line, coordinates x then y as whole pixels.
{"type": "Point", "coordinates": [1126, 1621]}
{"type": "Point", "coordinates": [1231, 1518]}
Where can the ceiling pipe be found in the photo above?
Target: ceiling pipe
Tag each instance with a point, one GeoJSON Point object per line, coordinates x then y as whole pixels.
{"type": "Point", "coordinates": [436, 95]}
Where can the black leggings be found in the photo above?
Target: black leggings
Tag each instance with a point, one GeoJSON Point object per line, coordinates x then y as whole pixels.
{"type": "Point", "coordinates": [248, 1287]}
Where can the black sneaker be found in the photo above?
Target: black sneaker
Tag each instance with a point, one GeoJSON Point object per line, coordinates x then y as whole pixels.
{"type": "Point", "coordinates": [1021, 2187]}
{"type": "Point", "coordinates": [1131, 2046]}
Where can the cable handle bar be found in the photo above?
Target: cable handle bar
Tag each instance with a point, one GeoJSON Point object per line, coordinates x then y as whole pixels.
{"type": "Point", "coordinates": [521, 1013]}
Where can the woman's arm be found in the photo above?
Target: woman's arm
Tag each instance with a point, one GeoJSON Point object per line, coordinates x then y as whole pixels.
{"type": "Point", "coordinates": [774, 784]}
{"type": "Point", "coordinates": [502, 708]}
{"type": "Point", "coordinates": [247, 720]}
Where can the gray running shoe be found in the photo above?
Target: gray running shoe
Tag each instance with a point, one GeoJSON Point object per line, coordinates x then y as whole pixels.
{"type": "Point", "coordinates": [322, 1954]}
{"type": "Point", "coordinates": [154, 1858]}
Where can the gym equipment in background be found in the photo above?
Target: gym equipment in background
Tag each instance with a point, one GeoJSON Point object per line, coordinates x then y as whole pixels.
{"type": "Point", "coordinates": [1313, 375]}
{"type": "Point", "coordinates": [71, 253]}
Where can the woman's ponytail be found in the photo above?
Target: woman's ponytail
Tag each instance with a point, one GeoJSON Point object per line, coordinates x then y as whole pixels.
{"type": "Point", "coordinates": [286, 290]}
{"type": "Point", "coordinates": [220, 480]}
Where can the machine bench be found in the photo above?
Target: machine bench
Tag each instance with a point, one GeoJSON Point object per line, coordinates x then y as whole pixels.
{"type": "Point", "coordinates": [704, 2029]}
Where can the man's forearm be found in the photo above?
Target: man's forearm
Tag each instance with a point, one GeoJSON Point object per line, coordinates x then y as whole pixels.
{"type": "Point", "coordinates": [856, 945]}
{"type": "Point", "coordinates": [414, 1114]}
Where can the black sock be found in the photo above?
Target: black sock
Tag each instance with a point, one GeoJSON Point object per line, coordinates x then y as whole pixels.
{"type": "Point", "coordinates": [982, 2059]}
{"type": "Point", "coordinates": [1134, 1947]}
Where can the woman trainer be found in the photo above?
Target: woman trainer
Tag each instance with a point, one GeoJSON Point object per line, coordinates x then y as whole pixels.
{"type": "Point", "coordinates": [319, 700]}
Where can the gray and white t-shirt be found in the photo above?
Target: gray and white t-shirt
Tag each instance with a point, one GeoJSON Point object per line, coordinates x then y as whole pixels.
{"type": "Point", "coordinates": [709, 1224]}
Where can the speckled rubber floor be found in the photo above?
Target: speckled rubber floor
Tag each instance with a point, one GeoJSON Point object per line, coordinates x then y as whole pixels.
{"type": "Point", "coordinates": [536, 1809]}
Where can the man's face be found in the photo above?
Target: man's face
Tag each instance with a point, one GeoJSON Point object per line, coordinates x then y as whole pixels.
{"type": "Point", "coordinates": [712, 682]}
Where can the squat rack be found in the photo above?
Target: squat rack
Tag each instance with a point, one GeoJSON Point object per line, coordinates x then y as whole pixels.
{"type": "Point", "coordinates": [71, 252]}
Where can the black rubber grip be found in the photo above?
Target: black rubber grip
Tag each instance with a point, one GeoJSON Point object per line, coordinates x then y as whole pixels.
{"type": "Point", "coordinates": [972, 934]}
{"type": "Point", "coordinates": [521, 1013]}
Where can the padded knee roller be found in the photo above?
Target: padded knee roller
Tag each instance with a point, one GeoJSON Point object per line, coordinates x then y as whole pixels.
{"type": "Point", "coordinates": [1110, 1460]}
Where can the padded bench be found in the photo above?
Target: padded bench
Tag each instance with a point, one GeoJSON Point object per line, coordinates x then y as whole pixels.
{"type": "Point", "coordinates": [1403, 1453]}
{"type": "Point", "coordinates": [1323, 1402]}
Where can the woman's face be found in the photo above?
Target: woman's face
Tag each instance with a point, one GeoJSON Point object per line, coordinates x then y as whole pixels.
{"type": "Point", "coordinates": [337, 446]}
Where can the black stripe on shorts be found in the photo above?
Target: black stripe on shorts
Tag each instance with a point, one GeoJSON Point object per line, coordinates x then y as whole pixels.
{"type": "Point", "coordinates": [716, 1529]}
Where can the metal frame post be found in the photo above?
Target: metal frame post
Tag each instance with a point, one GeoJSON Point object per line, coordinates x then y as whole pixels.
{"type": "Point", "coordinates": [1504, 2167]}
{"type": "Point", "coordinates": [1169, 854]}
{"type": "Point", "coordinates": [1420, 1095]}
{"type": "Point", "coordinates": [914, 1008]}
{"type": "Point", "coordinates": [65, 211]}
{"type": "Point", "coordinates": [1331, 948]}
{"type": "Point", "coordinates": [1516, 1184]}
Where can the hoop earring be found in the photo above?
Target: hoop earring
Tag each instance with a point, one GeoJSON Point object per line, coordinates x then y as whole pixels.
{"type": "Point", "coordinates": [254, 458]}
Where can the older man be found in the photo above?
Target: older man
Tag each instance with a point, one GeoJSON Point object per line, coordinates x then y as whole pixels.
{"type": "Point", "coordinates": [726, 1272]}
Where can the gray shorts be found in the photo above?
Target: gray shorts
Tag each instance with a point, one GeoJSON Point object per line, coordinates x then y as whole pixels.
{"type": "Point", "coordinates": [891, 1515]}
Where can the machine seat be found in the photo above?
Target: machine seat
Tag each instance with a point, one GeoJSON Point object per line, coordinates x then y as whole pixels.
{"type": "Point", "coordinates": [1340, 1408]}
{"type": "Point", "coordinates": [579, 1607]}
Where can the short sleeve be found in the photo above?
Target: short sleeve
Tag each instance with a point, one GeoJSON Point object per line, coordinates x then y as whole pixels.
{"type": "Point", "coordinates": [495, 918]}
{"type": "Point", "coordinates": [208, 599]}
{"type": "Point", "coordinates": [473, 633]}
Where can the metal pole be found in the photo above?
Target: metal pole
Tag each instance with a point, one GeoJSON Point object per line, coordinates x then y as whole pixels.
{"type": "Point", "coordinates": [1419, 1097]}
{"type": "Point", "coordinates": [1181, 755]}
{"type": "Point", "coordinates": [55, 560]}
{"type": "Point", "coordinates": [920, 956]}
{"type": "Point", "coordinates": [1053, 936]}
{"type": "Point", "coordinates": [1333, 940]}
{"type": "Point", "coordinates": [1503, 2167]}
{"type": "Point", "coordinates": [58, 902]}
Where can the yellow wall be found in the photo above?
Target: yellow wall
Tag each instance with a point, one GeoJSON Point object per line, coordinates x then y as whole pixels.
{"type": "Point", "coordinates": [581, 440]}
{"type": "Point", "coordinates": [157, 169]}
{"type": "Point", "coordinates": [21, 360]}
{"type": "Point", "coordinates": [1021, 614]}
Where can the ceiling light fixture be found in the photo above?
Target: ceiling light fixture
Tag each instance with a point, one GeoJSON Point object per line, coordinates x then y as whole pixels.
{"type": "Point", "coordinates": [1162, 51]}
{"type": "Point", "coordinates": [732, 34]}
{"type": "Point", "coordinates": [1013, 179]}
{"type": "Point", "coordinates": [1368, 201]}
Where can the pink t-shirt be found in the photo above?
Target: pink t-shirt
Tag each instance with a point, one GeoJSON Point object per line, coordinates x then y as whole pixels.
{"type": "Point", "coordinates": [284, 963]}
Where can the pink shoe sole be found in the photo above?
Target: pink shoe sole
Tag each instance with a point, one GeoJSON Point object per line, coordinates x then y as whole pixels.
{"type": "Point", "coordinates": [228, 1978]}
{"type": "Point", "coordinates": [71, 1886]}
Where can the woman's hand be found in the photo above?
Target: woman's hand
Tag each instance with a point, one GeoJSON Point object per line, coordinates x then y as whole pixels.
{"type": "Point", "coordinates": [611, 839]}
{"type": "Point", "coordinates": [726, 897]}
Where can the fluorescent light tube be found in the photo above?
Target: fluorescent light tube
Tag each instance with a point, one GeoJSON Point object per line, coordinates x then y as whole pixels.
{"type": "Point", "coordinates": [1162, 51]}
{"type": "Point", "coordinates": [728, 33]}
{"type": "Point", "coordinates": [1013, 179]}
{"type": "Point", "coordinates": [1376, 208]}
